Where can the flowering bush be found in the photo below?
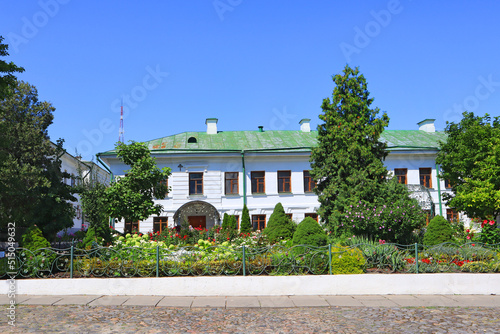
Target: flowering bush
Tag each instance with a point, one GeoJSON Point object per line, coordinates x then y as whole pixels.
{"type": "Point", "coordinates": [490, 233]}
{"type": "Point", "coordinates": [394, 222]}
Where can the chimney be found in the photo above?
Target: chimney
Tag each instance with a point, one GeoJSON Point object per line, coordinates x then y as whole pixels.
{"type": "Point", "coordinates": [427, 125]}
{"type": "Point", "coordinates": [305, 126]}
{"type": "Point", "coordinates": [211, 126]}
{"type": "Point", "coordinates": [261, 128]}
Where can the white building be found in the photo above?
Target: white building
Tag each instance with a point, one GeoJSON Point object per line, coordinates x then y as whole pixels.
{"type": "Point", "coordinates": [216, 172]}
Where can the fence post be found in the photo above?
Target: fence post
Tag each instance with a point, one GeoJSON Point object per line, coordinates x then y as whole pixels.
{"type": "Point", "coordinates": [71, 263]}
{"type": "Point", "coordinates": [330, 258]}
{"type": "Point", "coordinates": [416, 257]}
{"type": "Point", "coordinates": [157, 261]}
{"type": "Point", "coordinates": [244, 269]}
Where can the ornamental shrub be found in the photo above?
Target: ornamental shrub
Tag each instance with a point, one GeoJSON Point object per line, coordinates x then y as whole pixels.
{"type": "Point", "coordinates": [246, 225]}
{"type": "Point", "coordinates": [90, 240]}
{"type": "Point", "coordinates": [309, 232]}
{"type": "Point", "coordinates": [347, 261]}
{"type": "Point", "coordinates": [279, 226]}
{"type": "Point", "coordinates": [438, 231]}
{"type": "Point", "coordinates": [33, 239]}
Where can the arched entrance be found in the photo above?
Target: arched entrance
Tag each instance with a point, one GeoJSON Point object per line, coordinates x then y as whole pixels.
{"type": "Point", "coordinates": [198, 214]}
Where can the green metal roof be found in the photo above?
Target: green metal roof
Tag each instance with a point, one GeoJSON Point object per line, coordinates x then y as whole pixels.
{"type": "Point", "coordinates": [278, 141]}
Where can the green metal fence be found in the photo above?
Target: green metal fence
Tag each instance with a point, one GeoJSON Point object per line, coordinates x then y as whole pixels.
{"type": "Point", "coordinates": [243, 260]}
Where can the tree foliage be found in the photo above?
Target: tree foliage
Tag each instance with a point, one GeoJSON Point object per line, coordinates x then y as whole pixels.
{"type": "Point", "coordinates": [92, 197]}
{"type": "Point", "coordinates": [279, 227]}
{"type": "Point", "coordinates": [470, 161]}
{"type": "Point", "coordinates": [7, 70]}
{"type": "Point", "coordinates": [31, 181]}
{"type": "Point", "coordinates": [347, 163]}
{"type": "Point", "coordinates": [131, 197]}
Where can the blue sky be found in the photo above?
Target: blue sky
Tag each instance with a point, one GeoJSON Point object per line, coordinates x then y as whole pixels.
{"type": "Point", "coordinates": [247, 63]}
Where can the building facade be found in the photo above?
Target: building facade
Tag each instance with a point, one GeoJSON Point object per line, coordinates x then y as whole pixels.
{"type": "Point", "coordinates": [216, 172]}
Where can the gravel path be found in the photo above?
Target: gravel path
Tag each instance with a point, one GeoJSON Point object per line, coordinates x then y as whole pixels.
{"type": "Point", "coordinates": [134, 319]}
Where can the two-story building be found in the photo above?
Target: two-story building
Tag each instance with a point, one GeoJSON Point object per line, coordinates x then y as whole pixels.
{"type": "Point", "coordinates": [216, 172]}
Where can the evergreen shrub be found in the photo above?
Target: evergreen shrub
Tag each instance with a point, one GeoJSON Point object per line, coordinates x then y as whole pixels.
{"type": "Point", "coordinates": [33, 239]}
{"type": "Point", "coordinates": [347, 261]}
{"type": "Point", "coordinates": [310, 233]}
{"type": "Point", "coordinates": [438, 231]}
{"type": "Point", "coordinates": [279, 227]}
{"type": "Point", "coordinates": [246, 225]}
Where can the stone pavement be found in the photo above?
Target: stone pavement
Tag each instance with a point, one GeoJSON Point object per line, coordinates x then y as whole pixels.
{"type": "Point", "coordinates": [264, 301]}
{"type": "Point", "coordinates": [270, 314]}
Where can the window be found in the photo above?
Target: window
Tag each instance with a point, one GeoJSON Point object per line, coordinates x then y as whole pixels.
{"type": "Point", "coordinates": [425, 177]}
{"type": "Point", "coordinates": [289, 215]}
{"type": "Point", "coordinates": [312, 215]}
{"type": "Point", "coordinates": [401, 174]}
{"type": "Point", "coordinates": [160, 224]}
{"type": "Point", "coordinates": [237, 217]}
{"type": "Point", "coordinates": [192, 140]}
{"type": "Point", "coordinates": [258, 182]}
{"type": "Point", "coordinates": [231, 183]}
{"type": "Point", "coordinates": [428, 216]}
{"type": "Point", "coordinates": [447, 184]}
{"type": "Point", "coordinates": [195, 183]}
{"type": "Point", "coordinates": [452, 215]}
{"type": "Point", "coordinates": [309, 183]}
{"type": "Point", "coordinates": [259, 222]}
{"type": "Point", "coordinates": [131, 226]}
{"type": "Point", "coordinates": [284, 181]}
{"type": "Point", "coordinates": [73, 179]}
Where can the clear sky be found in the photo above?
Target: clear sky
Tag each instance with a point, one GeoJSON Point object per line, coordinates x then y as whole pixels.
{"type": "Point", "coordinates": [247, 63]}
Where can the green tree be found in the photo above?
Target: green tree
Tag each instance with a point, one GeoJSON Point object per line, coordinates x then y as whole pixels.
{"type": "Point", "coordinates": [93, 193]}
{"type": "Point", "coordinates": [279, 227]}
{"type": "Point", "coordinates": [31, 187]}
{"type": "Point", "coordinates": [131, 197]}
{"type": "Point", "coordinates": [229, 226]}
{"type": "Point", "coordinates": [470, 162]}
{"type": "Point", "coordinates": [246, 225]}
{"type": "Point", "coordinates": [7, 78]}
{"type": "Point", "coordinates": [347, 163]}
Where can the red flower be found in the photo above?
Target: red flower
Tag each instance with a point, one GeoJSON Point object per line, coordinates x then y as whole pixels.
{"type": "Point", "coordinates": [492, 222]}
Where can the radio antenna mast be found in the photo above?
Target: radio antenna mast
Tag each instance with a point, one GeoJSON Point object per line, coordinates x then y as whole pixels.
{"type": "Point", "coordinates": [121, 131]}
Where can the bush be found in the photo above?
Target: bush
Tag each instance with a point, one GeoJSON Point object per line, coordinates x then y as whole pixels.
{"type": "Point", "coordinates": [246, 225]}
{"type": "Point", "coordinates": [33, 239]}
{"type": "Point", "coordinates": [347, 261]}
{"type": "Point", "coordinates": [309, 232]}
{"type": "Point", "coordinates": [279, 227]}
{"type": "Point", "coordinates": [438, 231]}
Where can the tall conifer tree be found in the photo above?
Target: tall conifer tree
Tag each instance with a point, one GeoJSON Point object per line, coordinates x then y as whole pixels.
{"type": "Point", "coordinates": [348, 161]}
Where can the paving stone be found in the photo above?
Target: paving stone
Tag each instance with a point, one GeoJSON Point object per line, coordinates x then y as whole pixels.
{"type": "Point", "coordinates": [406, 300]}
{"type": "Point", "coordinates": [142, 301]}
{"type": "Point", "coordinates": [76, 300]}
{"type": "Point", "coordinates": [342, 301]}
{"type": "Point", "coordinates": [477, 300]}
{"type": "Point", "coordinates": [275, 301]}
{"type": "Point", "coordinates": [375, 301]}
{"type": "Point", "coordinates": [437, 300]}
{"type": "Point", "coordinates": [109, 301]}
{"type": "Point", "coordinates": [176, 302]}
{"type": "Point", "coordinates": [41, 300]}
{"type": "Point", "coordinates": [209, 302]}
{"type": "Point", "coordinates": [309, 301]}
{"type": "Point", "coordinates": [242, 301]}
